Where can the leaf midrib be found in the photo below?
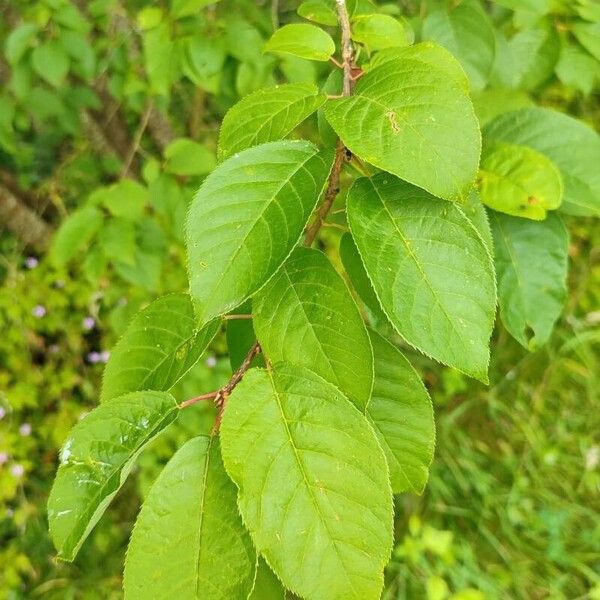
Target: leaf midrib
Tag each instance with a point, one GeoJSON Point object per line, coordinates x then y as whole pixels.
{"type": "Point", "coordinates": [306, 482]}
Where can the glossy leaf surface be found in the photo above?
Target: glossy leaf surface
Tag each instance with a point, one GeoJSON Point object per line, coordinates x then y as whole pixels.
{"type": "Point", "coordinates": [96, 459]}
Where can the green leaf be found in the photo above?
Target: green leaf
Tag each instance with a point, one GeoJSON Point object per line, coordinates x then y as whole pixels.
{"type": "Point", "coordinates": [536, 52]}
{"type": "Point", "coordinates": [355, 269]}
{"type": "Point", "coordinates": [159, 59]}
{"type": "Point", "coordinates": [378, 32]}
{"type": "Point", "coordinates": [51, 62]}
{"type": "Point", "coordinates": [577, 69]}
{"type": "Point", "coordinates": [413, 119]}
{"type": "Point", "coordinates": [267, 115]}
{"type": "Point", "coordinates": [118, 241]}
{"type": "Point", "coordinates": [18, 42]}
{"type": "Point", "coordinates": [74, 234]}
{"type": "Point", "coordinates": [266, 585]}
{"type": "Point", "coordinates": [303, 40]}
{"type": "Point", "coordinates": [236, 242]}
{"type": "Point", "coordinates": [185, 8]}
{"type": "Point", "coordinates": [466, 31]}
{"type": "Point", "coordinates": [319, 12]}
{"type": "Point", "coordinates": [519, 181]}
{"type": "Point", "coordinates": [431, 55]}
{"type": "Point", "coordinates": [203, 59]}
{"type": "Point", "coordinates": [476, 213]}
{"type": "Point", "coordinates": [189, 540]}
{"type": "Point", "coordinates": [571, 144]}
{"type": "Point", "coordinates": [126, 199]}
{"type": "Point", "coordinates": [531, 263]}
{"type": "Point", "coordinates": [313, 483]}
{"type": "Point", "coordinates": [402, 416]}
{"type": "Point", "coordinates": [588, 35]}
{"type": "Point", "coordinates": [161, 344]}
{"type": "Point", "coordinates": [96, 459]}
{"type": "Point", "coordinates": [306, 316]}
{"type": "Point", "coordinates": [186, 157]}
{"type": "Point", "coordinates": [430, 270]}
{"type": "Point", "coordinates": [241, 337]}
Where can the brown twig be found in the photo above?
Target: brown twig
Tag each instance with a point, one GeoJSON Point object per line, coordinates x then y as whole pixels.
{"type": "Point", "coordinates": [333, 187]}
{"type": "Point", "coordinates": [137, 138]}
{"type": "Point", "coordinates": [16, 216]}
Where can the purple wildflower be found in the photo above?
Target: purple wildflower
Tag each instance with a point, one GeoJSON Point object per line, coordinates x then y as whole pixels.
{"type": "Point", "coordinates": [17, 470]}
{"type": "Point", "coordinates": [31, 262]}
{"type": "Point", "coordinates": [38, 311]}
{"type": "Point", "coordinates": [25, 429]}
{"type": "Point", "coordinates": [3, 458]}
{"type": "Point", "coordinates": [104, 356]}
{"type": "Point", "coordinates": [88, 323]}
{"type": "Point", "coordinates": [93, 357]}
{"type": "Point", "coordinates": [2, 412]}
{"type": "Point", "coordinates": [211, 362]}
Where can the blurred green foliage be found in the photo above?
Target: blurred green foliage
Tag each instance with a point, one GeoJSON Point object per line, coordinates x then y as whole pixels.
{"type": "Point", "coordinates": [108, 119]}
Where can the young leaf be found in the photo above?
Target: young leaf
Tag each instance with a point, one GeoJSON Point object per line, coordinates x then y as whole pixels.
{"type": "Point", "coordinates": [184, 8]}
{"type": "Point", "coordinates": [189, 540]}
{"type": "Point", "coordinates": [519, 181]}
{"type": "Point", "coordinates": [531, 263]}
{"type": "Point", "coordinates": [572, 145]}
{"type": "Point", "coordinates": [402, 415]}
{"type": "Point", "coordinates": [74, 234]}
{"type": "Point", "coordinates": [306, 316]}
{"type": "Point", "coordinates": [313, 483]}
{"type": "Point", "coordinates": [161, 344]}
{"type": "Point", "coordinates": [186, 157]}
{"type": "Point", "coordinates": [303, 40]}
{"type": "Point", "coordinates": [577, 69]}
{"type": "Point", "coordinates": [267, 115]}
{"type": "Point", "coordinates": [318, 11]}
{"type": "Point", "coordinates": [355, 269]}
{"type": "Point", "coordinates": [413, 119]}
{"type": "Point", "coordinates": [51, 62]}
{"type": "Point", "coordinates": [466, 31]}
{"type": "Point", "coordinates": [96, 459]}
{"type": "Point", "coordinates": [588, 35]}
{"type": "Point", "coordinates": [430, 270]}
{"type": "Point", "coordinates": [378, 32]}
{"type": "Point", "coordinates": [247, 217]}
